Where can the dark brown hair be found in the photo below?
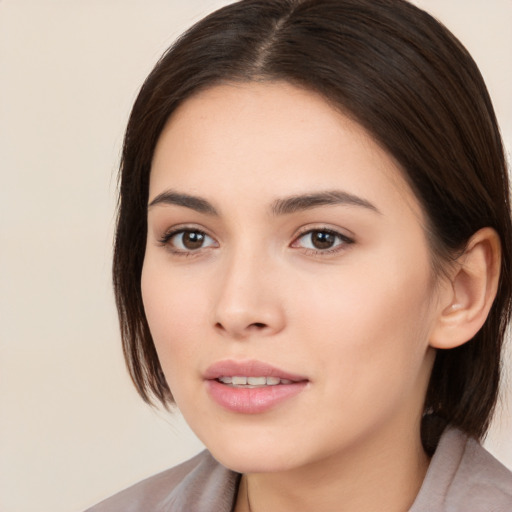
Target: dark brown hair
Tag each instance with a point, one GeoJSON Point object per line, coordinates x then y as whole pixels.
{"type": "Point", "coordinates": [410, 83]}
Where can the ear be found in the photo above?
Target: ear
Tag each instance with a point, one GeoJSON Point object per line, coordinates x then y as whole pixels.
{"type": "Point", "coordinates": [464, 305]}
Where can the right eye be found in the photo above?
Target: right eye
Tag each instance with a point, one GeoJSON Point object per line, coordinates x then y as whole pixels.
{"type": "Point", "coordinates": [188, 240]}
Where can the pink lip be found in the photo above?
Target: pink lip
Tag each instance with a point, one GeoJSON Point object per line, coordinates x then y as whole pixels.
{"type": "Point", "coordinates": [252, 368]}
{"type": "Point", "coordinates": [250, 400]}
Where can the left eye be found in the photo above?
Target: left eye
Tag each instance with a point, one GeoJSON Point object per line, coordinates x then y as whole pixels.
{"type": "Point", "coordinates": [320, 240]}
{"type": "Point", "coordinates": [189, 240]}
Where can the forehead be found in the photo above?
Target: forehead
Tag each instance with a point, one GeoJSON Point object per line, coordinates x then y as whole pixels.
{"type": "Point", "coordinates": [271, 139]}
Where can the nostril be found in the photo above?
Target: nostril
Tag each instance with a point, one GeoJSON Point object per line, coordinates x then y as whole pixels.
{"type": "Point", "coordinates": [255, 326]}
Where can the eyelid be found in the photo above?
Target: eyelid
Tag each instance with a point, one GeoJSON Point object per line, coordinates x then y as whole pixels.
{"type": "Point", "coordinates": [177, 228]}
{"type": "Point", "coordinates": [336, 230]}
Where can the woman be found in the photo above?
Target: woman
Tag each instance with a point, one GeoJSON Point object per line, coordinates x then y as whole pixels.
{"type": "Point", "coordinates": [312, 261]}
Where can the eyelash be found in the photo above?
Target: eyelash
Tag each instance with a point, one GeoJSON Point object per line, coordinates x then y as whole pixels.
{"type": "Point", "coordinates": [343, 241]}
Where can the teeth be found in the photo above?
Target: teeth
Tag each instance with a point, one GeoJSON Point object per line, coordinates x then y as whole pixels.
{"type": "Point", "coordinates": [257, 381]}
{"type": "Point", "coordinates": [253, 381]}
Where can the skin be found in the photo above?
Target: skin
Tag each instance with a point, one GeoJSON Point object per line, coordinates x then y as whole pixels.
{"type": "Point", "coordinates": [355, 319]}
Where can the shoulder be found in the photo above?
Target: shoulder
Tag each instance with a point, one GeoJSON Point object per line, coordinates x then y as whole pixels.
{"type": "Point", "coordinates": [482, 482]}
{"type": "Point", "coordinates": [192, 486]}
{"type": "Point", "coordinates": [463, 476]}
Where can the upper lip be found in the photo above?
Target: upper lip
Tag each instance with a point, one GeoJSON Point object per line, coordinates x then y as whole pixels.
{"type": "Point", "coordinates": [250, 368]}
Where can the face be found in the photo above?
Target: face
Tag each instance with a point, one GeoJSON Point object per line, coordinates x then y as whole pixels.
{"type": "Point", "coordinates": [287, 279]}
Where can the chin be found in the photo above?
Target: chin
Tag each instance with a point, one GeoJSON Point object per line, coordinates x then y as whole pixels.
{"type": "Point", "coordinates": [251, 462]}
{"type": "Point", "coordinates": [245, 455]}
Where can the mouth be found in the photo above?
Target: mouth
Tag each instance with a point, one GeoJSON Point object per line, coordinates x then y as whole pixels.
{"type": "Point", "coordinates": [250, 373]}
{"type": "Point", "coordinates": [252, 382]}
{"type": "Point", "coordinates": [251, 387]}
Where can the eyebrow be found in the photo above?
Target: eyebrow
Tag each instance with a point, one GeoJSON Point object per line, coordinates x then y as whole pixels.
{"type": "Point", "coordinates": [327, 198]}
{"type": "Point", "coordinates": [198, 204]}
{"type": "Point", "coordinates": [282, 206]}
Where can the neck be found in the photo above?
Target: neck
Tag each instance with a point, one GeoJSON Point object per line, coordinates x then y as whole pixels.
{"type": "Point", "coordinates": [379, 475]}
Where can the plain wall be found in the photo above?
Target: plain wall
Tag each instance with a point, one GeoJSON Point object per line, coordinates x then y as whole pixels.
{"type": "Point", "coordinates": [72, 429]}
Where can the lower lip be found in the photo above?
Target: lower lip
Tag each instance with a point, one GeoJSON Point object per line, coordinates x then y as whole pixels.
{"type": "Point", "coordinates": [252, 400]}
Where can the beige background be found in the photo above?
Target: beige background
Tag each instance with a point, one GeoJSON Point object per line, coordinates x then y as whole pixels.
{"type": "Point", "coordinates": [72, 429]}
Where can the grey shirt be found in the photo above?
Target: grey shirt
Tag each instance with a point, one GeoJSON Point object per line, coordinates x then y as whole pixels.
{"type": "Point", "coordinates": [462, 477]}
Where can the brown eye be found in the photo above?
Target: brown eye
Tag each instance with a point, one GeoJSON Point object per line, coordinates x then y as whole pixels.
{"type": "Point", "coordinates": [192, 240]}
{"type": "Point", "coordinates": [189, 240]}
{"type": "Point", "coordinates": [322, 240]}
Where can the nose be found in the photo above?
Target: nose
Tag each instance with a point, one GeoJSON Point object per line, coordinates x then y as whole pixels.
{"type": "Point", "coordinates": [248, 301]}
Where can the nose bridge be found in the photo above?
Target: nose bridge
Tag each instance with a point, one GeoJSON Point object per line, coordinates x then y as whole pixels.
{"type": "Point", "coordinates": [247, 302]}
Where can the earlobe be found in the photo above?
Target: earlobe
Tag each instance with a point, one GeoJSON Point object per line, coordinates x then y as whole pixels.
{"type": "Point", "coordinates": [465, 305]}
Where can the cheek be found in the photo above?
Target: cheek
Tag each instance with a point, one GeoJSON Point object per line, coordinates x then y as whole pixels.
{"type": "Point", "coordinates": [371, 325]}
{"type": "Point", "coordinates": [174, 309]}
